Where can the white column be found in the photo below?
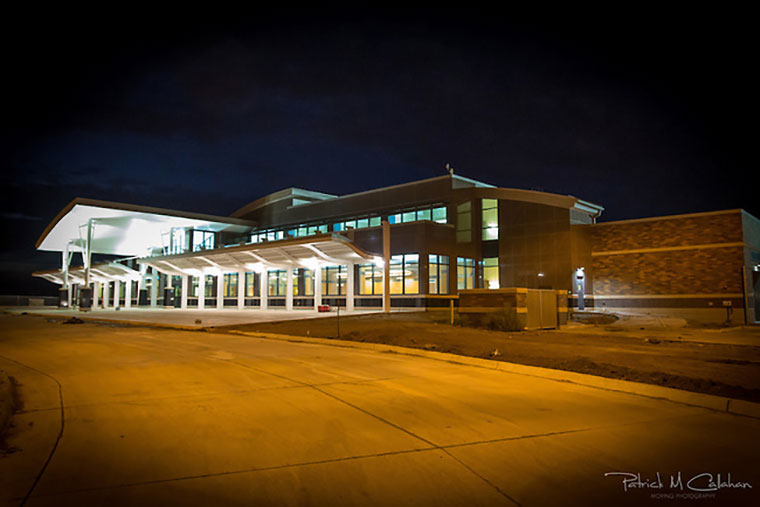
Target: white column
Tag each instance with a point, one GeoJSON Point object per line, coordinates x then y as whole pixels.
{"type": "Point", "coordinates": [116, 294]}
{"type": "Point", "coordinates": [263, 289]}
{"type": "Point", "coordinates": [201, 292]}
{"type": "Point", "coordinates": [317, 288]}
{"type": "Point", "coordinates": [106, 293]}
{"type": "Point", "coordinates": [154, 287]}
{"type": "Point", "coordinates": [185, 284]}
{"type": "Point", "coordinates": [95, 294]}
{"type": "Point", "coordinates": [350, 288]}
{"type": "Point", "coordinates": [289, 289]}
{"type": "Point", "coordinates": [220, 291]}
{"type": "Point", "coordinates": [128, 294]}
{"type": "Point", "coordinates": [241, 290]}
{"type": "Point", "coordinates": [69, 294]}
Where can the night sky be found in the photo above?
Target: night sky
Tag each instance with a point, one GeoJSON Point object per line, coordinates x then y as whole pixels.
{"type": "Point", "coordinates": [644, 114]}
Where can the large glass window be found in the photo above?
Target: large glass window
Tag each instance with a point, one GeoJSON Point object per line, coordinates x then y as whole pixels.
{"type": "Point", "coordinates": [369, 279]}
{"type": "Point", "coordinates": [210, 285]}
{"type": "Point", "coordinates": [203, 240]}
{"type": "Point", "coordinates": [490, 270]}
{"type": "Point", "coordinates": [334, 280]}
{"type": "Point", "coordinates": [262, 236]}
{"type": "Point", "coordinates": [303, 282]}
{"type": "Point", "coordinates": [193, 287]}
{"type": "Point", "coordinates": [230, 285]}
{"type": "Point", "coordinates": [439, 215]}
{"type": "Point", "coordinates": [252, 282]}
{"type": "Point", "coordinates": [464, 222]}
{"type": "Point", "coordinates": [405, 274]}
{"type": "Point", "coordinates": [438, 274]}
{"type": "Point", "coordinates": [490, 219]}
{"type": "Point", "coordinates": [465, 273]}
{"type": "Point", "coordinates": [277, 281]}
{"type": "Point", "coordinates": [177, 241]}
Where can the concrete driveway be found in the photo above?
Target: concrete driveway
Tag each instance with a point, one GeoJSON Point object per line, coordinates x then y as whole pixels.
{"type": "Point", "coordinates": [158, 416]}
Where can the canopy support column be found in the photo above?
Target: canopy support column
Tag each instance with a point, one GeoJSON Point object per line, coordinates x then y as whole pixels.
{"type": "Point", "coordinates": [350, 287]}
{"type": "Point", "coordinates": [241, 290]}
{"type": "Point", "coordinates": [289, 289]}
{"type": "Point", "coordinates": [263, 290]}
{"type": "Point", "coordinates": [128, 294]}
{"type": "Point", "coordinates": [317, 288]}
{"type": "Point", "coordinates": [220, 291]}
{"type": "Point", "coordinates": [183, 295]}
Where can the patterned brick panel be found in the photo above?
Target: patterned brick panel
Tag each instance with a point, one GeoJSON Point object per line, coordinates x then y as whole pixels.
{"type": "Point", "coordinates": [699, 230]}
{"type": "Point", "coordinates": [698, 271]}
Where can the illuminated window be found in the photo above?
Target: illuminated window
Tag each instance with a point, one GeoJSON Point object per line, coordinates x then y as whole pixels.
{"type": "Point", "coordinates": [490, 272]}
{"type": "Point", "coordinates": [439, 215]}
{"type": "Point", "coordinates": [277, 281]}
{"type": "Point", "coordinates": [303, 282]}
{"type": "Point", "coordinates": [203, 240]}
{"type": "Point", "coordinates": [230, 285]}
{"type": "Point", "coordinates": [405, 274]}
{"type": "Point", "coordinates": [193, 286]}
{"type": "Point", "coordinates": [210, 286]}
{"type": "Point", "coordinates": [177, 241]}
{"type": "Point", "coordinates": [464, 222]}
{"type": "Point", "coordinates": [334, 280]}
{"type": "Point", "coordinates": [252, 283]}
{"type": "Point", "coordinates": [438, 274]}
{"type": "Point", "coordinates": [490, 210]}
{"type": "Point", "coordinates": [369, 279]}
{"type": "Point", "coordinates": [465, 273]}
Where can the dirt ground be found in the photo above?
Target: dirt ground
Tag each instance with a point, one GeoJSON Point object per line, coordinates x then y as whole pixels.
{"type": "Point", "coordinates": [667, 357]}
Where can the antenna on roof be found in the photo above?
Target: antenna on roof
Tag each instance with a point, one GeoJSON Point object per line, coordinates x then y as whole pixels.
{"type": "Point", "coordinates": [449, 168]}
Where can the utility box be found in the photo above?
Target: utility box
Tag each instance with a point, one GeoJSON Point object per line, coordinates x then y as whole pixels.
{"type": "Point", "coordinates": [514, 307]}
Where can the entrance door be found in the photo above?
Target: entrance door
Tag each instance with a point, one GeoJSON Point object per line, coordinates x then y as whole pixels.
{"type": "Point", "coordinates": [580, 286]}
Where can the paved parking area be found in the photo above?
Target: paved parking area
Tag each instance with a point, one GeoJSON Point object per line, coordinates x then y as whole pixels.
{"type": "Point", "coordinates": [154, 416]}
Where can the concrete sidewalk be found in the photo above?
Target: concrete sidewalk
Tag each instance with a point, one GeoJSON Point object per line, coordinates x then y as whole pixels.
{"type": "Point", "coordinates": [154, 416]}
{"type": "Point", "coordinates": [172, 317]}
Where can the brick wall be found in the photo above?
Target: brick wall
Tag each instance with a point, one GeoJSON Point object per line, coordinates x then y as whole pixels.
{"type": "Point", "coordinates": [715, 270]}
{"type": "Point", "coordinates": [698, 271]}
{"type": "Point", "coordinates": [668, 232]}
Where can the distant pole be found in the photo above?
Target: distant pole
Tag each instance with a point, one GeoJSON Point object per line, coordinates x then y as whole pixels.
{"type": "Point", "coordinates": [451, 306]}
{"type": "Point", "coordinates": [386, 266]}
{"type": "Point", "coordinates": [338, 319]}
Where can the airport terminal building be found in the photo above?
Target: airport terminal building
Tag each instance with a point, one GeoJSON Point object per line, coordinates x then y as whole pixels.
{"type": "Point", "coordinates": [297, 249]}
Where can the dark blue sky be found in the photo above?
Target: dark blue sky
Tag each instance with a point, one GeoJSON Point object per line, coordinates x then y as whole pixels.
{"type": "Point", "coordinates": [644, 115]}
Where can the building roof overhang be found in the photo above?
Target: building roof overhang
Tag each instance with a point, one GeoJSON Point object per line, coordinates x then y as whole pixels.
{"type": "Point", "coordinates": [125, 229]}
{"type": "Point", "coordinates": [311, 253]}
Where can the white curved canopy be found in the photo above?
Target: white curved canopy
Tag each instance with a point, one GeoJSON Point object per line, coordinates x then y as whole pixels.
{"type": "Point", "coordinates": [125, 229]}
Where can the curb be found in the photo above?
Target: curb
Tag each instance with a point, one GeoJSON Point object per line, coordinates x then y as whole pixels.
{"type": "Point", "coordinates": [708, 401]}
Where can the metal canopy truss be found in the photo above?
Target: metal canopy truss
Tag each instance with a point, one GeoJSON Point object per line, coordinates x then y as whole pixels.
{"type": "Point", "coordinates": [105, 272]}
{"type": "Point", "coordinates": [310, 253]}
